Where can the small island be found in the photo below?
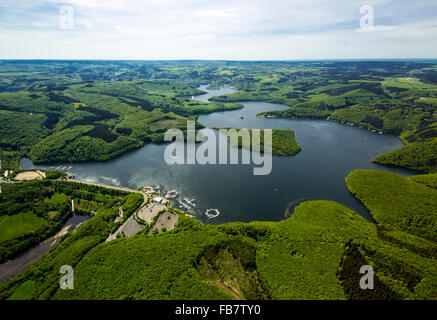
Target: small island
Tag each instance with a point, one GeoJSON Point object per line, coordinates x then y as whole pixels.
{"type": "Point", "coordinates": [283, 142]}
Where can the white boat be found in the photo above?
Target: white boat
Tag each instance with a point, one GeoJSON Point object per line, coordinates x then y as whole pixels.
{"type": "Point", "coordinates": [189, 202]}
{"type": "Point", "coordinates": [183, 204]}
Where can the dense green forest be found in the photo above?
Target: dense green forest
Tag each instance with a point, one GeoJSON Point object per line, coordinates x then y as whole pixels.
{"type": "Point", "coordinates": [283, 141]}
{"type": "Point", "coordinates": [314, 254]}
{"type": "Point", "coordinates": [430, 180]}
{"type": "Point", "coordinates": [417, 155]}
{"type": "Point", "coordinates": [94, 121]}
{"type": "Point", "coordinates": [31, 212]}
{"type": "Point", "coordinates": [396, 201]}
{"type": "Point", "coordinates": [381, 100]}
{"type": "Point", "coordinates": [76, 111]}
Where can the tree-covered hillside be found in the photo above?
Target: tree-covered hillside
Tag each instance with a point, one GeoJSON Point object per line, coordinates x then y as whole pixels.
{"type": "Point", "coordinates": [95, 121]}
{"type": "Point", "coordinates": [51, 109]}
{"type": "Point", "coordinates": [317, 253]}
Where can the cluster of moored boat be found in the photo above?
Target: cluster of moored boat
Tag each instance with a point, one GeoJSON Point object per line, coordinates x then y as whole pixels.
{"type": "Point", "coordinates": [64, 168]}
{"type": "Point", "coordinates": [187, 204]}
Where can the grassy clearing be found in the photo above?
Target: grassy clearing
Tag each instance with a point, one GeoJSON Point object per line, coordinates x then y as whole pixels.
{"type": "Point", "coordinates": [315, 254]}
{"type": "Point", "coordinates": [19, 224]}
{"type": "Point", "coordinates": [35, 210]}
{"type": "Point", "coordinates": [24, 291]}
{"type": "Point", "coordinates": [122, 114]}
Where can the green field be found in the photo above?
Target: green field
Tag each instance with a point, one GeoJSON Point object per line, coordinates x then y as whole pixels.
{"type": "Point", "coordinates": [18, 225]}
{"type": "Point", "coordinates": [104, 109]}
{"type": "Point", "coordinates": [24, 292]}
{"type": "Point", "coordinates": [76, 111]}
{"type": "Point", "coordinates": [33, 211]}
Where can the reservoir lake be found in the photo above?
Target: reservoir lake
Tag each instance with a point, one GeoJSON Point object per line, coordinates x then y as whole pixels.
{"type": "Point", "coordinates": [330, 151]}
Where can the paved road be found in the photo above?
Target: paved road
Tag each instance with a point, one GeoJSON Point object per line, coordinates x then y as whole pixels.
{"type": "Point", "coordinates": [106, 186]}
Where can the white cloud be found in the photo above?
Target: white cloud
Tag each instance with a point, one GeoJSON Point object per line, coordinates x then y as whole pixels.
{"type": "Point", "coordinates": [199, 37]}
{"type": "Point", "coordinates": [378, 28]}
{"type": "Point", "coordinates": [39, 24]}
{"type": "Point", "coordinates": [226, 29]}
{"type": "Point", "coordinates": [217, 13]}
{"type": "Point", "coordinates": [85, 23]}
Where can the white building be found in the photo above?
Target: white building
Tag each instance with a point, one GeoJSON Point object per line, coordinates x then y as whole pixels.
{"type": "Point", "coordinates": [160, 200]}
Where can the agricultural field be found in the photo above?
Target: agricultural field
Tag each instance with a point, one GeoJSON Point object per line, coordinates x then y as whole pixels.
{"type": "Point", "coordinates": [84, 111]}
{"type": "Point", "coordinates": [382, 101]}
{"type": "Point", "coordinates": [104, 109]}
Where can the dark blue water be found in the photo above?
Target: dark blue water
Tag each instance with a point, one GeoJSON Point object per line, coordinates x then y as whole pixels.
{"type": "Point", "coordinates": [330, 152]}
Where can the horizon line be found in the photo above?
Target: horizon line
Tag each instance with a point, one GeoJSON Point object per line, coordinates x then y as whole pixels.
{"type": "Point", "coordinates": [223, 60]}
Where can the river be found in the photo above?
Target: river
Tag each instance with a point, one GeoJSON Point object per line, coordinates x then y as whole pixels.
{"type": "Point", "coordinates": [330, 152]}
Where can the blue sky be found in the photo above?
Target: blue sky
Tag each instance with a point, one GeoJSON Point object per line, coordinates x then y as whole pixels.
{"type": "Point", "coordinates": [223, 29]}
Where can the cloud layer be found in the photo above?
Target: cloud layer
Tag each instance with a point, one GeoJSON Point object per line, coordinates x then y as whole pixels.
{"type": "Point", "coordinates": [225, 29]}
